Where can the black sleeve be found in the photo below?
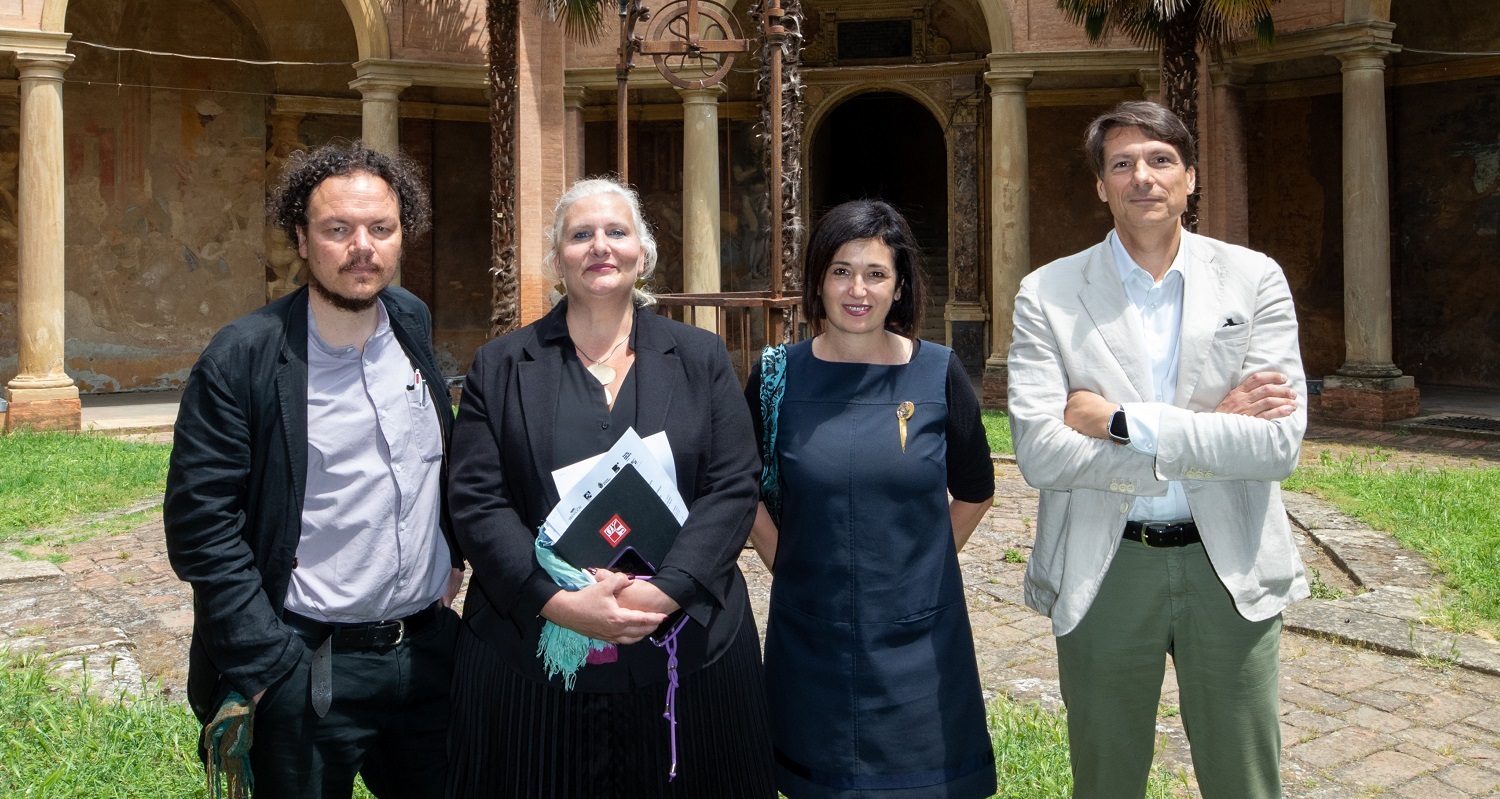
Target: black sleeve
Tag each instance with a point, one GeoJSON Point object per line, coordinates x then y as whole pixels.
{"type": "Point", "coordinates": [971, 474]}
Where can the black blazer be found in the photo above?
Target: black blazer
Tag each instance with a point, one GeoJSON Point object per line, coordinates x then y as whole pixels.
{"type": "Point", "coordinates": [501, 488]}
{"type": "Point", "coordinates": [236, 481]}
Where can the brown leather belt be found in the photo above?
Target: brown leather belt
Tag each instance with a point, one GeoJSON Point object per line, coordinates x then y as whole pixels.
{"type": "Point", "coordinates": [1162, 534]}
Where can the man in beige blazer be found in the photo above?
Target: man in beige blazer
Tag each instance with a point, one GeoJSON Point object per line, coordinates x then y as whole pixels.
{"type": "Point", "coordinates": [1156, 399]}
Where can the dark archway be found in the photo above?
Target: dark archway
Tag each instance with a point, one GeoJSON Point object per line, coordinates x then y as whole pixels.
{"type": "Point", "coordinates": [888, 146]}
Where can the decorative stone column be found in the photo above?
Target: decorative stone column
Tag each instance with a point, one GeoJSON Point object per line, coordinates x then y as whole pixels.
{"type": "Point", "coordinates": [964, 313]}
{"type": "Point", "coordinates": [1225, 210]}
{"type": "Point", "coordinates": [1010, 219]}
{"type": "Point", "coordinates": [573, 132]}
{"type": "Point", "coordinates": [1368, 387]}
{"type": "Point", "coordinates": [41, 396]}
{"type": "Point", "coordinates": [700, 197]}
{"type": "Point", "coordinates": [282, 258]}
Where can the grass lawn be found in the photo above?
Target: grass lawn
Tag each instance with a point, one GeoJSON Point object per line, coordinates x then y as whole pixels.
{"type": "Point", "coordinates": [997, 430]}
{"type": "Point", "coordinates": [48, 479]}
{"type": "Point", "coordinates": [1451, 515]}
{"type": "Point", "coordinates": [57, 742]}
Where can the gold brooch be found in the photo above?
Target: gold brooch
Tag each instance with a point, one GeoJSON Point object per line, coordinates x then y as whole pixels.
{"type": "Point", "coordinates": [904, 411]}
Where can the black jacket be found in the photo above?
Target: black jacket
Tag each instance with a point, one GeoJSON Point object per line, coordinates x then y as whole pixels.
{"type": "Point", "coordinates": [501, 489]}
{"type": "Point", "coordinates": [235, 485]}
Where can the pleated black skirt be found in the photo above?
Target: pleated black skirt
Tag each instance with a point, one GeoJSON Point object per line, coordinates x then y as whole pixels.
{"type": "Point", "coordinates": [513, 737]}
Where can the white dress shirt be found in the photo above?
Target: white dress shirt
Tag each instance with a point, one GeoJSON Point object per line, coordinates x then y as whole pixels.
{"type": "Point", "coordinates": [1158, 307]}
{"type": "Point", "coordinates": [371, 548]}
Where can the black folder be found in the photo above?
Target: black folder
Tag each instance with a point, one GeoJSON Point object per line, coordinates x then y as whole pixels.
{"type": "Point", "coordinates": [625, 527]}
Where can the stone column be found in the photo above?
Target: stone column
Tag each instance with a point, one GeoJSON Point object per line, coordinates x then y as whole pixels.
{"type": "Point", "coordinates": [700, 197]}
{"type": "Point", "coordinates": [380, 107]}
{"type": "Point", "coordinates": [573, 132]}
{"type": "Point", "coordinates": [41, 396]}
{"type": "Point", "coordinates": [964, 313]}
{"type": "Point", "coordinates": [1010, 219]}
{"type": "Point", "coordinates": [1368, 387]}
{"type": "Point", "coordinates": [1223, 170]}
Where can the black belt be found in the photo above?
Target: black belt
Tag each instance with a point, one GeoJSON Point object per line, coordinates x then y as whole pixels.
{"type": "Point", "coordinates": [364, 636]}
{"type": "Point", "coordinates": [1162, 534]}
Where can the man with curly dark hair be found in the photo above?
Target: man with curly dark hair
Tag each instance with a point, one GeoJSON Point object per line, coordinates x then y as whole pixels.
{"type": "Point", "coordinates": [305, 505]}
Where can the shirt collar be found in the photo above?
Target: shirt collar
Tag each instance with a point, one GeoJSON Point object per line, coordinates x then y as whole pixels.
{"type": "Point", "coordinates": [1130, 271]}
{"type": "Point", "coordinates": [315, 339]}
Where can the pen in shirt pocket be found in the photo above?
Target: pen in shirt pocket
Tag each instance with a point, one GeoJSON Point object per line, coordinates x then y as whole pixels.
{"type": "Point", "coordinates": [416, 384]}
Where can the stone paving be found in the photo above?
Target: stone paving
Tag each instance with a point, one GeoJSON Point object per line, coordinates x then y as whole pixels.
{"type": "Point", "coordinates": [1357, 721]}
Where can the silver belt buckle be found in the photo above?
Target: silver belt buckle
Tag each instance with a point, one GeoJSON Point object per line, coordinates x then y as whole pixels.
{"type": "Point", "coordinates": [400, 632]}
{"type": "Point", "coordinates": [1152, 527]}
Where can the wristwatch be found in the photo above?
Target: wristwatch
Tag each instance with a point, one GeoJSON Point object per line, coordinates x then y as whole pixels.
{"type": "Point", "coordinates": [1119, 432]}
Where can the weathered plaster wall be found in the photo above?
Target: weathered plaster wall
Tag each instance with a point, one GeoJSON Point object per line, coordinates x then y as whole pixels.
{"type": "Point", "coordinates": [1296, 213]}
{"type": "Point", "coordinates": [164, 229]}
{"type": "Point", "coordinates": [1066, 214]}
{"type": "Point", "coordinates": [9, 177]}
{"type": "Point", "coordinates": [440, 30]}
{"type": "Point", "coordinates": [1446, 209]}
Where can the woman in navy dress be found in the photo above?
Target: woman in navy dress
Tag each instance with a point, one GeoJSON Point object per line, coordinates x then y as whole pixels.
{"type": "Point", "coordinates": [870, 668]}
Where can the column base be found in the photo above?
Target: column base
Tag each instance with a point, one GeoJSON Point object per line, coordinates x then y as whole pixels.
{"type": "Point", "coordinates": [996, 385]}
{"type": "Point", "coordinates": [60, 414]}
{"type": "Point", "coordinates": [1368, 400]}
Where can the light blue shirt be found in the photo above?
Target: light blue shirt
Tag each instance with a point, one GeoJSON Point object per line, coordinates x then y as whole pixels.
{"type": "Point", "coordinates": [1157, 305]}
{"type": "Point", "coordinates": [371, 548]}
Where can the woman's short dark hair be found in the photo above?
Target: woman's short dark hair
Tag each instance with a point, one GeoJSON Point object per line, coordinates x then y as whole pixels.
{"type": "Point", "coordinates": [853, 221]}
{"type": "Point", "coordinates": [305, 170]}
{"type": "Point", "coordinates": [1154, 120]}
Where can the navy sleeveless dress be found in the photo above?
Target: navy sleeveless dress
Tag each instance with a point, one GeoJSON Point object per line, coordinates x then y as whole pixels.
{"type": "Point", "coordinates": [870, 668]}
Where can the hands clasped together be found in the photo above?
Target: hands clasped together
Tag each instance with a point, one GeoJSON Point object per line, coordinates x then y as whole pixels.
{"type": "Point", "coordinates": [616, 609]}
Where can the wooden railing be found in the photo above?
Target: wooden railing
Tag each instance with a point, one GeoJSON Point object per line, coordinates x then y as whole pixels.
{"type": "Point", "coordinates": [748, 320]}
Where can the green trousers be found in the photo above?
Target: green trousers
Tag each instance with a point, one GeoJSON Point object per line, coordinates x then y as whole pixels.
{"type": "Point", "coordinates": [1169, 600]}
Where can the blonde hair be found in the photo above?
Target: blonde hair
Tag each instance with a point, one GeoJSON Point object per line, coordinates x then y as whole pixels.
{"type": "Point", "coordinates": [590, 187]}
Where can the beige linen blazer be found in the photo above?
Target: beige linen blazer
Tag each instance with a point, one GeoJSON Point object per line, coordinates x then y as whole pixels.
{"type": "Point", "coordinates": [1073, 331]}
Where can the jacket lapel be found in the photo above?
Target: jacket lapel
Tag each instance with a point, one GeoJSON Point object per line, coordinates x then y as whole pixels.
{"type": "Point", "coordinates": [539, 377]}
{"type": "Point", "coordinates": [1202, 295]}
{"type": "Point", "coordinates": [660, 371]}
{"type": "Point", "coordinates": [1103, 296]}
{"type": "Point", "coordinates": [291, 393]}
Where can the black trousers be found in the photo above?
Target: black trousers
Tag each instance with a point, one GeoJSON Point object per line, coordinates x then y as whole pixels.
{"type": "Point", "coordinates": [388, 723]}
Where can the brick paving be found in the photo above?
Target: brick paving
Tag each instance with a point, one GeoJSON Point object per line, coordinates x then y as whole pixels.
{"type": "Point", "coordinates": [1356, 722]}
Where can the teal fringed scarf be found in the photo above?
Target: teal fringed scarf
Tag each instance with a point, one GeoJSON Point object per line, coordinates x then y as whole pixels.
{"type": "Point", "coordinates": [564, 651]}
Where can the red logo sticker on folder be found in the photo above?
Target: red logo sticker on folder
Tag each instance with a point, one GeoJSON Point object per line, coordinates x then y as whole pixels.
{"type": "Point", "coordinates": [615, 530]}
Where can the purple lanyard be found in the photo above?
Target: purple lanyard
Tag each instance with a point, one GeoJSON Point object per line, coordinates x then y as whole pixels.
{"type": "Point", "coordinates": [670, 643]}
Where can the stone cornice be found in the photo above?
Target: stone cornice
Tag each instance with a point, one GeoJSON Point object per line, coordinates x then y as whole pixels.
{"type": "Point", "coordinates": [1074, 62]}
{"type": "Point", "coordinates": [1325, 41]}
{"type": "Point", "coordinates": [904, 73]}
{"type": "Point", "coordinates": [397, 72]}
{"type": "Point", "coordinates": [14, 40]}
{"type": "Point", "coordinates": [644, 76]}
{"type": "Point", "coordinates": [340, 106]}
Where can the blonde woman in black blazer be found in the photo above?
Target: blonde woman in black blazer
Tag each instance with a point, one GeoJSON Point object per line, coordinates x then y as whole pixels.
{"type": "Point", "coordinates": [536, 400]}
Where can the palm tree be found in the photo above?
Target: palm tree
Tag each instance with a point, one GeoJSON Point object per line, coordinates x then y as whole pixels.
{"type": "Point", "coordinates": [581, 19]}
{"type": "Point", "coordinates": [1177, 28]}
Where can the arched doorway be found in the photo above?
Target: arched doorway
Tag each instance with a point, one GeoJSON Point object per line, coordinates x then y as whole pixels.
{"type": "Point", "coordinates": [888, 146]}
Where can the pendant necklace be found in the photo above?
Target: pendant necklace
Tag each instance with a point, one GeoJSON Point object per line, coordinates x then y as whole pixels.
{"type": "Point", "coordinates": [602, 371]}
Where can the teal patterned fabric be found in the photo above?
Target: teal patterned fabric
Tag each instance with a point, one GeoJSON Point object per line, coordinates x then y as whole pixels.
{"type": "Point", "coordinates": [772, 386]}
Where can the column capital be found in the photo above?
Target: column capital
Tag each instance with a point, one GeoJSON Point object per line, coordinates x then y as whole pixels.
{"type": "Point", "coordinates": [573, 96]}
{"type": "Point", "coordinates": [378, 88]}
{"type": "Point", "coordinates": [1149, 79]}
{"type": "Point", "coordinates": [1364, 55]}
{"type": "Point", "coordinates": [708, 95]}
{"type": "Point", "coordinates": [1231, 74]}
{"type": "Point", "coordinates": [42, 65]}
{"type": "Point", "coordinates": [1009, 80]}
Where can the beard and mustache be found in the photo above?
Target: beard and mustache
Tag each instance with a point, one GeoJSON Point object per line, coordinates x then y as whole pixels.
{"type": "Point", "coordinates": [340, 301]}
